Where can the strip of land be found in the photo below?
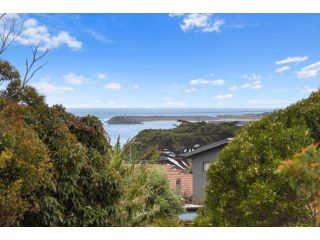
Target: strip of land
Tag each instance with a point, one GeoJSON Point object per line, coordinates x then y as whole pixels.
{"type": "Point", "coordinates": [221, 118]}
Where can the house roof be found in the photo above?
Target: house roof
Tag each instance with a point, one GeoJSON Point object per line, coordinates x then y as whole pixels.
{"type": "Point", "coordinates": [206, 148]}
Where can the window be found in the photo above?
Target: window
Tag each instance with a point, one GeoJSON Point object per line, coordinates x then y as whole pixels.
{"type": "Point", "coordinates": [178, 186]}
{"type": "Point", "coordinates": [206, 166]}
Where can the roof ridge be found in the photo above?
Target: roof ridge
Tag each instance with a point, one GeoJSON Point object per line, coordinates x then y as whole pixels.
{"type": "Point", "coordinates": [207, 147]}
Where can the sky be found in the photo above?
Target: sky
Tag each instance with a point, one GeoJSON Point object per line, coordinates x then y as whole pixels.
{"type": "Point", "coordinates": [172, 60]}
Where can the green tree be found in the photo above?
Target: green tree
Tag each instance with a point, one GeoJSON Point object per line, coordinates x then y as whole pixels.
{"type": "Point", "coordinates": [302, 172]}
{"type": "Point", "coordinates": [243, 188]}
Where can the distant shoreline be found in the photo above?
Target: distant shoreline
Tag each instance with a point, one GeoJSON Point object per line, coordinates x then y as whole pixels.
{"type": "Point", "coordinates": [216, 119]}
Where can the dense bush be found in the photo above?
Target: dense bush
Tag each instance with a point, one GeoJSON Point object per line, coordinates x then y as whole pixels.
{"type": "Point", "coordinates": [25, 168]}
{"type": "Point", "coordinates": [86, 189]}
{"type": "Point", "coordinates": [54, 168]}
{"type": "Point", "coordinates": [243, 188]}
{"type": "Point", "coordinates": [80, 189]}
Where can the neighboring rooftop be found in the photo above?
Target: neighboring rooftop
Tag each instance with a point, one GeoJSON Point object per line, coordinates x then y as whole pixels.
{"type": "Point", "coordinates": [206, 148]}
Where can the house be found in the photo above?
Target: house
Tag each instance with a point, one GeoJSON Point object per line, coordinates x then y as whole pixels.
{"type": "Point", "coordinates": [201, 160]}
{"type": "Point", "coordinates": [180, 180]}
{"type": "Point", "coordinates": [177, 172]}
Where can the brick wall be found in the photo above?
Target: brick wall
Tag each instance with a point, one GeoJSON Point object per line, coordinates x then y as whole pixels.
{"type": "Point", "coordinates": [174, 174]}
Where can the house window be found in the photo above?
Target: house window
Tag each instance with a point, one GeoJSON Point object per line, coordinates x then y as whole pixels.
{"type": "Point", "coordinates": [178, 186]}
{"type": "Point", "coordinates": [206, 166]}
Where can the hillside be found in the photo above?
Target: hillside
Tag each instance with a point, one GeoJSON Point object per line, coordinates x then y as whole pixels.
{"type": "Point", "coordinates": [184, 136]}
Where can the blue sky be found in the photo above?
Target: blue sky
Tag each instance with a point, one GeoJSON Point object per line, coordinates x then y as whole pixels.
{"type": "Point", "coordinates": [173, 60]}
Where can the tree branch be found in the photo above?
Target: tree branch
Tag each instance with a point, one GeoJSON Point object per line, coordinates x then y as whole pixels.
{"type": "Point", "coordinates": [30, 70]}
{"type": "Point", "coordinates": [9, 33]}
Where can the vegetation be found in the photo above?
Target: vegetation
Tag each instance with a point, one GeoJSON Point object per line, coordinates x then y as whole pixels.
{"type": "Point", "coordinates": [147, 197]}
{"type": "Point", "coordinates": [303, 172]}
{"type": "Point", "coordinates": [243, 188]}
{"type": "Point", "coordinates": [60, 170]}
{"type": "Point", "coordinates": [57, 169]}
{"type": "Point", "coordinates": [184, 136]}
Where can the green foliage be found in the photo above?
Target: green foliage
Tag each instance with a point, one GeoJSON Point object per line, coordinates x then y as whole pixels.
{"type": "Point", "coordinates": [86, 189]}
{"type": "Point", "coordinates": [61, 175]}
{"type": "Point", "coordinates": [186, 135]}
{"type": "Point", "coordinates": [7, 72]}
{"type": "Point", "coordinates": [25, 168]}
{"type": "Point", "coordinates": [90, 132]}
{"type": "Point", "coordinates": [243, 188]}
{"type": "Point", "coordinates": [147, 199]}
{"type": "Point", "coordinates": [57, 169]}
{"type": "Point", "coordinates": [302, 172]}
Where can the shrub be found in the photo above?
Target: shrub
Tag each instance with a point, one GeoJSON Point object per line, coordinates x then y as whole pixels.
{"type": "Point", "coordinates": [147, 198]}
{"type": "Point", "coordinates": [302, 172]}
{"type": "Point", "coordinates": [243, 188]}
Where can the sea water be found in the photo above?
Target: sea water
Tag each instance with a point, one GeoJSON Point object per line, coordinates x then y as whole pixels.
{"type": "Point", "coordinates": [128, 131]}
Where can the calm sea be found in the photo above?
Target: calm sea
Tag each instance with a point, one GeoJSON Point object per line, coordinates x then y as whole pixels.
{"type": "Point", "coordinates": [127, 131]}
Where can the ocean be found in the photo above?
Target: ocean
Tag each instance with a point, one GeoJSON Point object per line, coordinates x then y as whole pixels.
{"type": "Point", "coordinates": [128, 131]}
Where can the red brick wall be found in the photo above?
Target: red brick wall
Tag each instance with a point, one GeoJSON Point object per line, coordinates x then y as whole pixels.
{"type": "Point", "coordinates": [174, 174]}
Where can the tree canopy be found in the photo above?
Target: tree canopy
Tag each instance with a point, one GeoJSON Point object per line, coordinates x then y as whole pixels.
{"type": "Point", "coordinates": [243, 188]}
{"type": "Point", "coordinates": [184, 136]}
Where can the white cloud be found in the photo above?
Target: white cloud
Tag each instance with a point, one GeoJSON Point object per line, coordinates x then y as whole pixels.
{"type": "Point", "coordinates": [214, 27]}
{"type": "Point", "coordinates": [75, 79]}
{"type": "Point", "coordinates": [233, 88]}
{"type": "Point", "coordinates": [46, 87]}
{"type": "Point", "coordinates": [218, 82]}
{"type": "Point", "coordinates": [113, 86]}
{"type": "Point", "coordinates": [34, 33]}
{"type": "Point", "coordinates": [247, 85]}
{"type": "Point", "coordinates": [307, 89]}
{"type": "Point", "coordinates": [255, 79]}
{"type": "Point", "coordinates": [11, 16]}
{"type": "Point", "coordinates": [292, 59]}
{"type": "Point", "coordinates": [282, 69]}
{"type": "Point", "coordinates": [251, 77]}
{"type": "Point", "coordinates": [98, 36]}
{"type": "Point", "coordinates": [189, 90]}
{"type": "Point", "coordinates": [254, 85]}
{"type": "Point", "coordinates": [223, 96]}
{"type": "Point", "coordinates": [309, 71]}
{"type": "Point", "coordinates": [136, 86]}
{"type": "Point", "coordinates": [176, 14]}
{"type": "Point", "coordinates": [100, 76]}
{"type": "Point", "coordinates": [199, 21]}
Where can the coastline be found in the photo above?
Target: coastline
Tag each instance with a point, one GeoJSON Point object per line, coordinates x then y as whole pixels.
{"type": "Point", "coordinates": [215, 119]}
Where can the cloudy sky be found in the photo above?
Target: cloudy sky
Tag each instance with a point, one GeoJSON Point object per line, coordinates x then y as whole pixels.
{"type": "Point", "coordinates": [173, 60]}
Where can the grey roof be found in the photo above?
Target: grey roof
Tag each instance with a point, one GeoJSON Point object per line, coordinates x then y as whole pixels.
{"type": "Point", "coordinates": [206, 148]}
